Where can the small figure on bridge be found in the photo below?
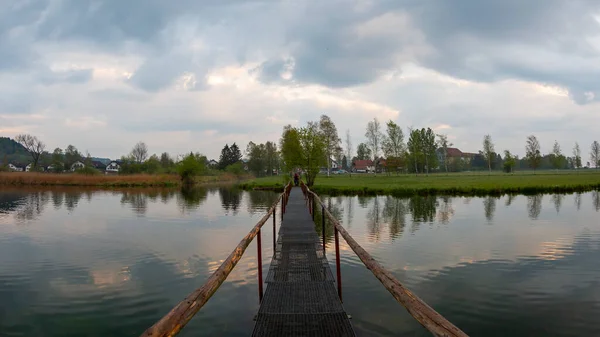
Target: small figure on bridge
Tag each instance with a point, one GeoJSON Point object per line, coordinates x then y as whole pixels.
{"type": "Point", "coordinates": [296, 178]}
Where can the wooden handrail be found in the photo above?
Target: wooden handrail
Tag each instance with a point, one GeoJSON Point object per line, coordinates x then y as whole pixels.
{"type": "Point", "coordinates": [181, 314]}
{"type": "Point", "coordinates": [423, 313]}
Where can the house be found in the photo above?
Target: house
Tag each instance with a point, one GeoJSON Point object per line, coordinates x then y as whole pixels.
{"type": "Point", "coordinates": [363, 166]}
{"type": "Point", "coordinates": [454, 154]}
{"type": "Point", "coordinates": [15, 167]}
{"type": "Point", "coordinates": [28, 167]}
{"type": "Point", "coordinates": [212, 163]}
{"type": "Point", "coordinates": [113, 167]}
{"type": "Point", "coordinates": [98, 165]}
{"type": "Point", "coordinates": [77, 165]}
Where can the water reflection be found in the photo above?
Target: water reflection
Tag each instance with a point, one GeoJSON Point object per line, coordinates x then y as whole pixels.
{"type": "Point", "coordinates": [137, 200]}
{"type": "Point", "coordinates": [557, 200]}
{"type": "Point", "coordinates": [596, 200]}
{"type": "Point", "coordinates": [423, 209]}
{"type": "Point", "coordinates": [489, 206]}
{"type": "Point", "coordinates": [190, 198]}
{"type": "Point", "coordinates": [509, 199]}
{"type": "Point", "coordinates": [230, 199]}
{"type": "Point", "coordinates": [374, 219]}
{"type": "Point", "coordinates": [578, 200]}
{"type": "Point", "coordinates": [534, 206]}
{"type": "Point", "coordinates": [394, 213]}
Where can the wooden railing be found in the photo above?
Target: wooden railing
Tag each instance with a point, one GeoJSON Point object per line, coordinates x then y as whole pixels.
{"type": "Point", "coordinates": [423, 313]}
{"type": "Point", "coordinates": [183, 312]}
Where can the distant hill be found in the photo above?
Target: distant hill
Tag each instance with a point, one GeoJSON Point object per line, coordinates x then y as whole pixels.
{"type": "Point", "coordinates": [104, 161]}
{"type": "Point", "coordinates": [12, 151]}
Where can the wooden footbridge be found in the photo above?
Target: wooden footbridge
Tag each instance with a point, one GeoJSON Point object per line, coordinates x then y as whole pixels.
{"type": "Point", "coordinates": [302, 297]}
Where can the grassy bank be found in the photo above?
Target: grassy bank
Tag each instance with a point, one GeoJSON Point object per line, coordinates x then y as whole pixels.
{"type": "Point", "coordinates": [135, 180]}
{"type": "Point", "coordinates": [468, 184]}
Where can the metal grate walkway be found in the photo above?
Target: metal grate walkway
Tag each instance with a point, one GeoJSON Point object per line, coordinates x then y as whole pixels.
{"type": "Point", "coordinates": [300, 299]}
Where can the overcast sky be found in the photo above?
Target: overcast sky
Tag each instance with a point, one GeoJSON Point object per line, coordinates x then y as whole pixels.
{"type": "Point", "coordinates": [186, 75]}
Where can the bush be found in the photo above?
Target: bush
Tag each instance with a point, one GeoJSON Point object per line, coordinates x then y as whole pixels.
{"type": "Point", "coordinates": [88, 171]}
{"type": "Point", "coordinates": [237, 169]}
{"type": "Point", "coordinates": [190, 167]}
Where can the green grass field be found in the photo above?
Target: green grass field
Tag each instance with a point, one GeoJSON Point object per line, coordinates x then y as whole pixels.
{"type": "Point", "coordinates": [496, 183]}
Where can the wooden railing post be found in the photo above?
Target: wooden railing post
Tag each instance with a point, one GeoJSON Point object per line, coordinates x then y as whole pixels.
{"type": "Point", "coordinates": [323, 225]}
{"type": "Point", "coordinates": [274, 229]}
{"type": "Point", "coordinates": [260, 276]}
{"type": "Point", "coordinates": [337, 264]}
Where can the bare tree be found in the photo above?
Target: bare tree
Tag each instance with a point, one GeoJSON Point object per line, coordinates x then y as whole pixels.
{"type": "Point", "coordinates": [330, 135]}
{"type": "Point", "coordinates": [349, 149]}
{"type": "Point", "coordinates": [140, 152]}
{"type": "Point", "coordinates": [532, 152]}
{"type": "Point", "coordinates": [576, 156]}
{"type": "Point", "coordinates": [34, 146]}
{"type": "Point", "coordinates": [393, 145]}
{"type": "Point", "coordinates": [595, 154]}
{"type": "Point", "coordinates": [374, 137]}
{"type": "Point", "coordinates": [488, 150]}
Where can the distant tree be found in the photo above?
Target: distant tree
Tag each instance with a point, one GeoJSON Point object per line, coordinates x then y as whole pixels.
{"type": "Point", "coordinates": [509, 161]}
{"type": "Point", "coordinates": [488, 151]}
{"type": "Point", "coordinates": [349, 150]}
{"type": "Point", "coordinates": [272, 157]}
{"type": "Point", "coordinates": [374, 138]}
{"type": "Point", "coordinates": [153, 165]}
{"type": "Point", "coordinates": [595, 154]}
{"type": "Point", "coordinates": [33, 145]}
{"type": "Point", "coordinates": [224, 159]}
{"type": "Point", "coordinates": [443, 144]}
{"type": "Point", "coordinates": [363, 152]}
{"type": "Point", "coordinates": [290, 149]}
{"type": "Point", "coordinates": [345, 163]}
{"type": "Point", "coordinates": [393, 146]}
{"type": "Point", "coordinates": [429, 146]}
{"type": "Point", "coordinates": [236, 168]}
{"type": "Point", "coordinates": [532, 152]}
{"type": "Point", "coordinates": [257, 158]}
{"type": "Point", "coordinates": [57, 160]}
{"type": "Point", "coordinates": [235, 155]}
{"type": "Point", "coordinates": [415, 148]}
{"type": "Point", "coordinates": [331, 139]}
{"type": "Point", "coordinates": [576, 156]}
{"type": "Point", "coordinates": [139, 152]}
{"type": "Point", "coordinates": [556, 157]}
{"type": "Point", "coordinates": [191, 166]}
{"type": "Point", "coordinates": [166, 161]}
{"type": "Point", "coordinates": [72, 155]}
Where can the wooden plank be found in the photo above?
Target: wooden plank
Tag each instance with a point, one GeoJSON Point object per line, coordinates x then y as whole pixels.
{"type": "Point", "coordinates": [437, 324]}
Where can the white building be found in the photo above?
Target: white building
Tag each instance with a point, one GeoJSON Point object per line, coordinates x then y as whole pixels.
{"type": "Point", "coordinates": [113, 167]}
{"type": "Point", "coordinates": [77, 165]}
{"type": "Point", "coordinates": [15, 168]}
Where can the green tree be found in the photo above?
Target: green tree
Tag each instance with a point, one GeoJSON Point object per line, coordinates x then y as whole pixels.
{"type": "Point", "coordinates": [272, 157]}
{"type": "Point", "coordinates": [374, 138]}
{"type": "Point", "coordinates": [576, 156]}
{"type": "Point", "coordinates": [488, 151]}
{"type": "Point", "coordinates": [509, 162]}
{"type": "Point", "coordinates": [57, 160]}
{"type": "Point", "coordinates": [191, 166]}
{"type": "Point", "coordinates": [236, 168]}
{"type": "Point", "coordinates": [363, 152]}
{"type": "Point", "coordinates": [224, 158]}
{"type": "Point", "coordinates": [429, 147]}
{"type": "Point", "coordinates": [532, 152]}
{"type": "Point", "coordinates": [152, 165]}
{"type": "Point", "coordinates": [415, 148]}
{"type": "Point", "coordinates": [166, 162]}
{"type": "Point", "coordinates": [257, 160]}
{"type": "Point", "coordinates": [595, 154]}
{"type": "Point", "coordinates": [71, 156]}
{"type": "Point", "coordinates": [393, 146]}
{"type": "Point", "coordinates": [33, 145]}
{"type": "Point", "coordinates": [303, 148]}
{"type": "Point", "coordinates": [330, 137]}
{"type": "Point", "coordinates": [556, 157]}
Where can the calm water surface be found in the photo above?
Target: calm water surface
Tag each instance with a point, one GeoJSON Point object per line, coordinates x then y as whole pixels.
{"type": "Point", "coordinates": [79, 262]}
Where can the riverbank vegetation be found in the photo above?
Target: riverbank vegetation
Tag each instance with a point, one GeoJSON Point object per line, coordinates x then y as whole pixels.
{"type": "Point", "coordinates": [468, 184]}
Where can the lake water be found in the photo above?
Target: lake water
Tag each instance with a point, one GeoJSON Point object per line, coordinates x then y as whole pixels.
{"type": "Point", "coordinates": [79, 262]}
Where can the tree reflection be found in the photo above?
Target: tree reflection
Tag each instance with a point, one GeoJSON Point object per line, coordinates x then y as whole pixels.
{"type": "Point", "coordinates": [374, 220]}
{"type": "Point", "coordinates": [596, 200]}
{"type": "Point", "coordinates": [137, 200]}
{"type": "Point", "coordinates": [191, 197]}
{"type": "Point", "coordinates": [231, 197]}
{"type": "Point", "coordinates": [258, 201]}
{"type": "Point", "coordinates": [446, 210]}
{"type": "Point", "coordinates": [578, 200]}
{"type": "Point", "coordinates": [72, 198]}
{"type": "Point", "coordinates": [363, 201]}
{"type": "Point", "coordinates": [489, 206]}
{"type": "Point", "coordinates": [349, 210]}
{"type": "Point", "coordinates": [394, 213]}
{"type": "Point", "coordinates": [33, 205]}
{"type": "Point", "coordinates": [557, 200]}
{"type": "Point", "coordinates": [423, 209]}
{"type": "Point", "coordinates": [57, 199]}
{"type": "Point", "coordinates": [9, 201]}
{"type": "Point", "coordinates": [509, 199]}
{"type": "Point", "coordinates": [534, 205]}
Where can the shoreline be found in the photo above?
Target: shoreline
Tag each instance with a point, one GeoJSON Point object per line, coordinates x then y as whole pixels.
{"type": "Point", "coordinates": [17, 179]}
{"type": "Point", "coordinates": [438, 184]}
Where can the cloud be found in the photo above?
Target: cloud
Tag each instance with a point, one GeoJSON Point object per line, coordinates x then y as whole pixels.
{"type": "Point", "coordinates": [242, 69]}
